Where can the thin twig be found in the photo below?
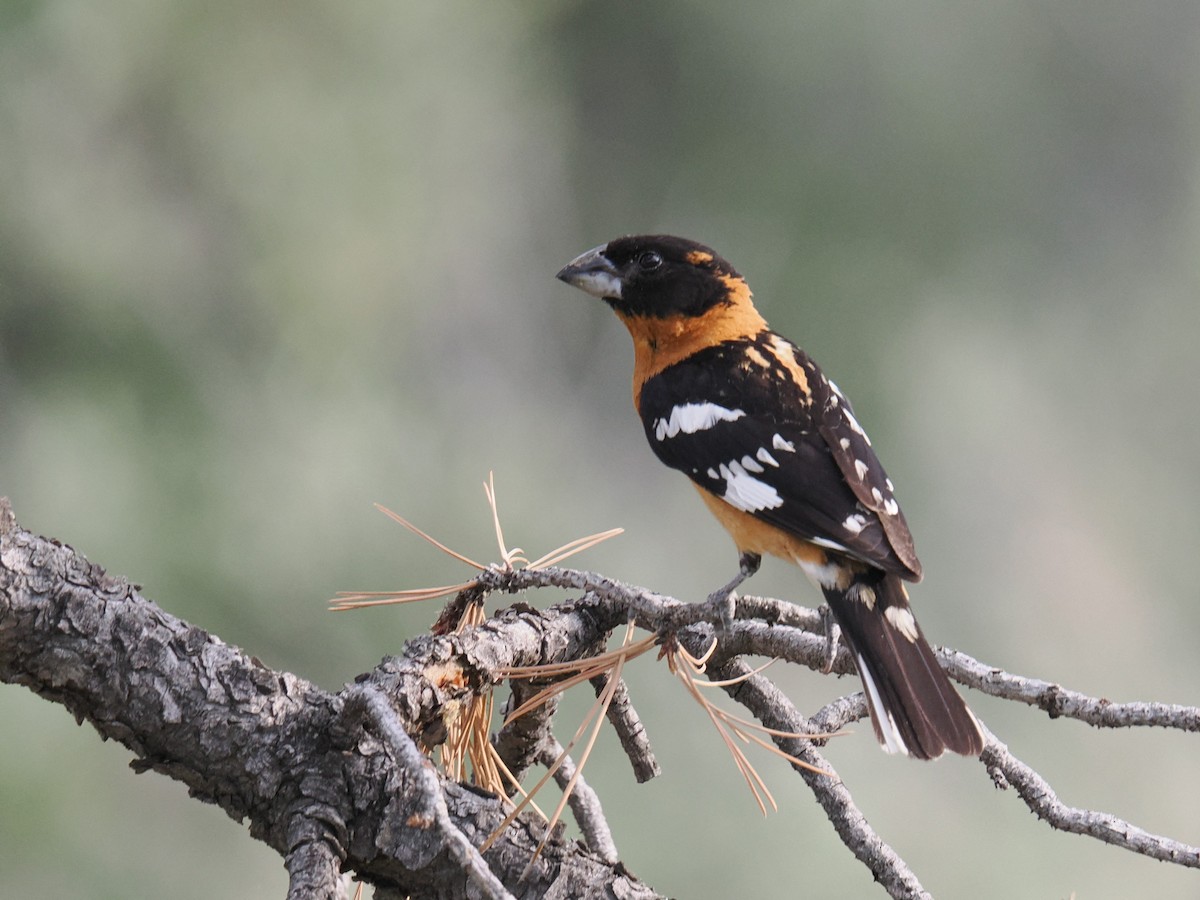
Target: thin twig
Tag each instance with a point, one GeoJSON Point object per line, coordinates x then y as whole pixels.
{"type": "Point", "coordinates": [1058, 701]}
{"type": "Point", "coordinates": [771, 707]}
{"type": "Point", "coordinates": [763, 626]}
{"type": "Point", "coordinates": [1006, 770]}
{"type": "Point", "coordinates": [584, 802]}
{"type": "Point", "coordinates": [630, 730]}
{"type": "Point", "coordinates": [766, 626]}
{"type": "Point", "coordinates": [520, 739]}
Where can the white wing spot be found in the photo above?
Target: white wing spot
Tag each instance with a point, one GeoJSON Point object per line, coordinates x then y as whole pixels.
{"type": "Point", "coordinates": [863, 593]}
{"type": "Point", "coordinates": [766, 457]}
{"type": "Point", "coordinates": [902, 620]}
{"type": "Point", "coordinates": [780, 444]}
{"type": "Point", "coordinates": [890, 506]}
{"type": "Point", "coordinates": [745, 492]}
{"type": "Point", "coordinates": [692, 417]}
{"type": "Point", "coordinates": [860, 469]}
{"type": "Point", "coordinates": [888, 483]}
{"type": "Point", "coordinates": [875, 492]}
{"type": "Point", "coordinates": [854, 426]}
{"type": "Point", "coordinates": [853, 524]}
{"type": "Point", "coordinates": [713, 474]}
{"type": "Point", "coordinates": [750, 464]}
{"type": "Point", "coordinates": [844, 443]}
{"type": "Point", "coordinates": [833, 400]}
{"type": "Point", "coordinates": [828, 544]}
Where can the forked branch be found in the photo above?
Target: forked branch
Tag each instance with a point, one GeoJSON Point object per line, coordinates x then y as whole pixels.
{"type": "Point", "coordinates": [343, 782]}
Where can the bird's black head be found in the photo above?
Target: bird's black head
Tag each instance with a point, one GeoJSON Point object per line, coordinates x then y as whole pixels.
{"type": "Point", "coordinates": [655, 276]}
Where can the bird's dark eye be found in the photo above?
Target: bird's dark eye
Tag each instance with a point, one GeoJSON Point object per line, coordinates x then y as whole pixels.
{"type": "Point", "coordinates": [650, 260]}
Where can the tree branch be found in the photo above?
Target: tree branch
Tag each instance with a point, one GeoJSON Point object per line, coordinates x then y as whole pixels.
{"type": "Point", "coordinates": [338, 783]}
{"type": "Point", "coordinates": [1058, 701]}
{"type": "Point", "coordinates": [771, 707]}
{"type": "Point", "coordinates": [327, 794]}
{"type": "Point", "coordinates": [584, 802]}
{"type": "Point", "coordinates": [428, 810]}
{"type": "Point", "coordinates": [1007, 770]}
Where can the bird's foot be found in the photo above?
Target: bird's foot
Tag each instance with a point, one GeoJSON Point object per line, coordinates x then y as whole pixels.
{"type": "Point", "coordinates": [723, 601]}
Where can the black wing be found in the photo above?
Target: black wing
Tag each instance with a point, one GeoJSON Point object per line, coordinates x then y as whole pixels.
{"type": "Point", "coordinates": [755, 422]}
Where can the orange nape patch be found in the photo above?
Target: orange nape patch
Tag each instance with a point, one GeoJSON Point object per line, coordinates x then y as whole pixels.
{"type": "Point", "coordinates": [699, 258]}
{"type": "Point", "coordinates": [753, 535]}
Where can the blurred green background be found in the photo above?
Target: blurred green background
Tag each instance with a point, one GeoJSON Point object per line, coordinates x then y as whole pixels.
{"type": "Point", "coordinates": [264, 264]}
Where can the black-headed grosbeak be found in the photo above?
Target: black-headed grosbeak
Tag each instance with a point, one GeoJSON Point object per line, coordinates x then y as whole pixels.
{"type": "Point", "coordinates": [778, 457]}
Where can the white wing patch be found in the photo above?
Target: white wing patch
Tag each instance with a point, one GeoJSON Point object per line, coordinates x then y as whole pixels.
{"type": "Point", "coordinates": [902, 620]}
{"type": "Point", "coordinates": [780, 444]}
{"type": "Point", "coordinates": [862, 593]}
{"type": "Point", "coordinates": [854, 426]}
{"type": "Point", "coordinates": [750, 464]}
{"type": "Point", "coordinates": [692, 417]}
{"type": "Point", "coordinates": [745, 492]}
{"type": "Point", "coordinates": [855, 523]}
{"type": "Point", "coordinates": [828, 544]}
{"type": "Point", "coordinates": [764, 456]}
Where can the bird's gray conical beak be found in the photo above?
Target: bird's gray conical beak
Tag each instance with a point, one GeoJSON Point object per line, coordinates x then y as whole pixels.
{"type": "Point", "coordinates": [594, 273]}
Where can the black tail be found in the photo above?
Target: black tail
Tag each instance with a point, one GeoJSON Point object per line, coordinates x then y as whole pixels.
{"type": "Point", "coordinates": [914, 707]}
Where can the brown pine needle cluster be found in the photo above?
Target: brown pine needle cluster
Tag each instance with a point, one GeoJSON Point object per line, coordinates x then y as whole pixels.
{"type": "Point", "coordinates": [359, 599]}
{"type": "Point", "coordinates": [608, 665]}
{"type": "Point", "coordinates": [468, 728]}
{"type": "Point", "coordinates": [729, 726]}
{"type": "Point", "coordinates": [468, 742]}
{"type": "Point", "coordinates": [468, 732]}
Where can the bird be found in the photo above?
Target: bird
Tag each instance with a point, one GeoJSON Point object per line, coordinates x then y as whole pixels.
{"type": "Point", "coordinates": [779, 458]}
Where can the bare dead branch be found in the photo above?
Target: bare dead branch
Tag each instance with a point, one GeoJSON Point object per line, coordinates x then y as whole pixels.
{"type": "Point", "coordinates": [772, 707]}
{"type": "Point", "coordinates": [520, 741]}
{"type": "Point", "coordinates": [271, 748]}
{"type": "Point", "coordinates": [630, 732]}
{"type": "Point", "coordinates": [584, 802]}
{"type": "Point", "coordinates": [1058, 701]}
{"type": "Point", "coordinates": [1007, 770]}
{"type": "Point", "coordinates": [337, 782]}
{"type": "Point", "coordinates": [798, 636]}
{"type": "Point", "coordinates": [314, 872]}
{"type": "Point", "coordinates": [428, 805]}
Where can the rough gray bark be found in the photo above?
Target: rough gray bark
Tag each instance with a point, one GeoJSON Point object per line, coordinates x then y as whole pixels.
{"type": "Point", "coordinates": [327, 780]}
{"type": "Point", "coordinates": [337, 783]}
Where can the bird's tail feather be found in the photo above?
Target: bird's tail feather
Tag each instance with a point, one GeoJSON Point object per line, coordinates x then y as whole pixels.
{"type": "Point", "coordinates": [914, 707]}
